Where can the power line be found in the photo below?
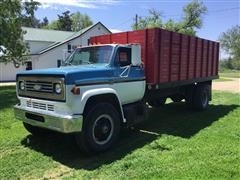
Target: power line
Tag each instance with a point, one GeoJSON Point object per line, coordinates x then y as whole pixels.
{"type": "Point", "coordinates": [176, 15]}
{"type": "Point", "coordinates": [173, 1]}
{"type": "Point", "coordinates": [122, 23]}
{"type": "Point", "coordinates": [224, 10]}
{"type": "Point", "coordinates": [209, 12]}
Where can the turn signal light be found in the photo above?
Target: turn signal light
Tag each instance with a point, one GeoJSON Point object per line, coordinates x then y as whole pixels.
{"type": "Point", "coordinates": [75, 90]}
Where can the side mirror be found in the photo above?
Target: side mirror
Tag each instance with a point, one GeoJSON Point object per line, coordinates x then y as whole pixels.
{"type": "Point", "coordinates": [136, 54]}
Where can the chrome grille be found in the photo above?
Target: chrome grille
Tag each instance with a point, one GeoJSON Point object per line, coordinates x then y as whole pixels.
{"type": "Point", "coordinates": [39, 86]}
{"type": "Point", "coordinates": [41, 106]}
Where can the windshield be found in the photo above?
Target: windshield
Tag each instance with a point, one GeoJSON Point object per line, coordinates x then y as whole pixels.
{"type": "Point", "coordinates": [90, 55]}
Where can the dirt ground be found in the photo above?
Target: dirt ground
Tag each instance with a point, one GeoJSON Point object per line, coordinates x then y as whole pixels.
{"type": "Point", "coordinates": [232, 86]}
{"type": "Point", "coordinates": [7, 84]}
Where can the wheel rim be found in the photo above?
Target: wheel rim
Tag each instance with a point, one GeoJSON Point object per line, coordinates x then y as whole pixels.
{"type": "Point", "coordinates": [204, 99]}
{"type": "Point", "coordinates": [102, 129]}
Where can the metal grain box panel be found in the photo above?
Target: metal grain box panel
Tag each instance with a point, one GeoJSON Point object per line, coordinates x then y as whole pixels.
{"type": "Point", "coordinates": [168, 56]}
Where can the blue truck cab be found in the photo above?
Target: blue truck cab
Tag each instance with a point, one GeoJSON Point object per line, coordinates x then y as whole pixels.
{"type": "Point", "coordinates": [88, 95]}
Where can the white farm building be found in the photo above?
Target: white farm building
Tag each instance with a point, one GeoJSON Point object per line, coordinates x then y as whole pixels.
{"type": "Point", "coordinates": [49, 47]}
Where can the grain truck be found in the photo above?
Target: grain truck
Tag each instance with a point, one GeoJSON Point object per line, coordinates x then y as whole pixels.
{"type": "Point", "coordinates": [107, 85]}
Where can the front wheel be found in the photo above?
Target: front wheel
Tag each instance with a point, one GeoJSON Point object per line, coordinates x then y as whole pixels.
{"type": "Point", "coordinates": [101, 128]}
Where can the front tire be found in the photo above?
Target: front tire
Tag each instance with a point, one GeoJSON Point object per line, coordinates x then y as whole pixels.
{"type": "Point", "coordinates": [101, 128]}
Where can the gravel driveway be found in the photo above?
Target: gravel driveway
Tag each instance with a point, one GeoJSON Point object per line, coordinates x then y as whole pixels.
{"type": "Point", "coordinates": [7, 84]}
{"type": "Point", "coordinates": [232, 86]}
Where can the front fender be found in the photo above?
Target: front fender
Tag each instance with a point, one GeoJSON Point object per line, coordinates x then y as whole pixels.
{"type": "Point", "coordinates": [99, 91]}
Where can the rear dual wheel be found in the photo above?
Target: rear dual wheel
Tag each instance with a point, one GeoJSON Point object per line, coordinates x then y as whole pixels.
{"type": "Point", "coordinates": [177, 98]}
{"type": "Point", "coordinates": [157, 102]}
{"type": "Point", "coordinates": [199, 97]}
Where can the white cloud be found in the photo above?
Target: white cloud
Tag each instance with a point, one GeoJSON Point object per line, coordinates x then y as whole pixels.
{"type": "Point", "coordinates": [115, 30]}
{"type": "Point", "coordinates": [77, 3]}
{"type": "Point", "coordinates": [45, 6]}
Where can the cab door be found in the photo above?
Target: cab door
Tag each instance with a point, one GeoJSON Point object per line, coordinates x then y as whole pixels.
{"type": "Point", "coordinates": [129, 80]}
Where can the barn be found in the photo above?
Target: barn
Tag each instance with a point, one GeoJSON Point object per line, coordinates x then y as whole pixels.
{"type": "Point", "coordinates": [47, 48]}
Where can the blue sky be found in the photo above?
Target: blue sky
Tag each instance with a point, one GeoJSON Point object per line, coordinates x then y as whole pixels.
{"type": "Point", "coordinates": [119, 14]}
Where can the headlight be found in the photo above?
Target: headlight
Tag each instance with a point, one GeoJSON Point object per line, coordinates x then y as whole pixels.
{"type": "Point", "coordinates": [58, 88]}
{"type": "Point", "coordinates": [21, 85]}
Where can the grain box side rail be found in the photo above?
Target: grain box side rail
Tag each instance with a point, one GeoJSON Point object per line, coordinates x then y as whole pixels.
{"type": "Point", "coordinates": [170, 59]}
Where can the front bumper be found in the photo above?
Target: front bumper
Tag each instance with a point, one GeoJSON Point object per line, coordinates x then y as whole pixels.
{"type": "Point", "coordinates": [56, 122]}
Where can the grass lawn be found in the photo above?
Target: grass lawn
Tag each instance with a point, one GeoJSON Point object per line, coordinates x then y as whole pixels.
{"type": "Point", "coordinates": [174, 143]}
{"type": "Point", "coordinates": [227, 73]}
{"type": "Point", "coordinates": [222, 80]}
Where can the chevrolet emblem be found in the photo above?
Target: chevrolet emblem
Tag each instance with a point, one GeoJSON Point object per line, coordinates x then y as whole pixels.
{"type": "Point", "coordinates": [37, 87]}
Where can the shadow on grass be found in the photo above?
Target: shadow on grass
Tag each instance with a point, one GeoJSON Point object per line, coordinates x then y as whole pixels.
{"type": "Point", "coordinates": [173, 119]}
{"type": "Point", "coordinates": [7, 96]}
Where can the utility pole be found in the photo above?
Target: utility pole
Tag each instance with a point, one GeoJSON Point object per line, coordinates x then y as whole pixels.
{"type": "Point", "coordinates": [136, 22]}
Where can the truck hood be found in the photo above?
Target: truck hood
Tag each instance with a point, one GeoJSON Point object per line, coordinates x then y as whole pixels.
{"type": "Point", "coordinates": [74, 74]}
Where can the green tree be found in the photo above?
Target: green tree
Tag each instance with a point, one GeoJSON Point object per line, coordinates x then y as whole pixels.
{"type": "Point", "coordinates": [80, 21]}
{"type": "Point", "coordinates": [64, 21]}
{"type": "Point", "coordinates": [11, 35]}
{"type": "Point", "coordinates": [44, 22]}
{"type": "Point", "coordinates": [230, 43]}
{"type": "Point", "coordinates": [191, 20]}
{"type": "Point", "coordinates": [70, 22]}
{"type": "Point", "coordinates": [151, 21]}
{"type": "Point", "coordinates": [28, 16]}
{"type": "Point", "coordinates": [52, 25]}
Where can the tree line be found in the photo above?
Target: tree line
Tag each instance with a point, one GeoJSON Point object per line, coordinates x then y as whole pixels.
{"type": "Point", "coordinates": [66, 21]}
{"type": "Point", "coordinates": [189, 23]}
{"type": "Point", "coordinates": [230, 43]}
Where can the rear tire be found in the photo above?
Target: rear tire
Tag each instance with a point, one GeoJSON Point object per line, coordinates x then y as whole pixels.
{"type": "Point", "coordinates": [199, 97]}
{"type": "Point", "coordinates": [177, 98]}
{"type": "Point", "coordinates": [157, 102]}
{"type": "Point", "coordinates": [101, 128]}
{"type": "Point", "coordinates": [36, 131]}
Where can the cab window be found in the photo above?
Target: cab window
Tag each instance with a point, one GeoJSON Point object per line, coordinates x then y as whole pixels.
{"type": "Point", "coordinates": [123, 57]}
